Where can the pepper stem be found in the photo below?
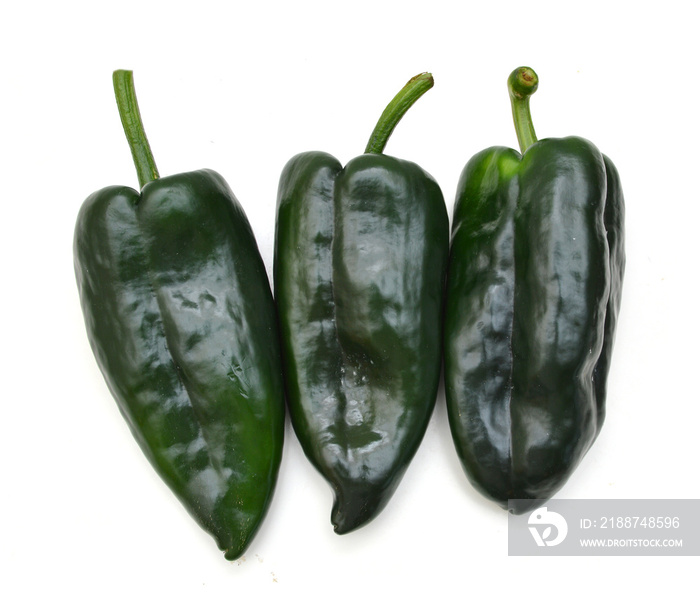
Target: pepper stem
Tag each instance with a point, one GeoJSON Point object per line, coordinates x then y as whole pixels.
{"type": "Point", "coordinates": [396, 109]}
{"type": "Point", "coordinates": [522, 84]}
{"type": "Point", "coordinates": [133, 126]}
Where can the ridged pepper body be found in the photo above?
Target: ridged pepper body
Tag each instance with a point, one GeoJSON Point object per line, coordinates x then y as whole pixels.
{"type": "Point", "coordinates": [533, 293]}
{"type": "Point", "coordinates": [360, 258]}
{"type": "Point", "coordinates": [180, 317]}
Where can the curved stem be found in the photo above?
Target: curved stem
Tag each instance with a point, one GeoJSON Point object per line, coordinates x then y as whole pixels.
{"type": "Point", "coordinates": [522, 83]}
{"type": "Point", "coordinates": [396, 109]}
{"type": "Point", "coordinates": [133, 126]}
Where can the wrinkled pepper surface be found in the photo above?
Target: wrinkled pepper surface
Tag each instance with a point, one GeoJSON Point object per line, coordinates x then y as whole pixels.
{"type": "Point", "coordinates": [360, 259]}
{"type": "Point", "coordinates": [180, 316]}
{"type": "Point", "coordinates": [533, 293]}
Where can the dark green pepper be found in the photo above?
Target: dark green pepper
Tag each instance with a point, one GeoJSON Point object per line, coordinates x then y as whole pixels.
{"type": "Point", "coordinates": [360, 259]}
{"type": "Point", "coordinates": [181, 319]}
{"type": "Point", "coordinates": [533, 293]}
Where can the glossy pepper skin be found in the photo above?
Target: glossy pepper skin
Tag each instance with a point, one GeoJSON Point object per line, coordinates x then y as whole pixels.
{"type": "Point", "coordinates": [360, 257]}
{"type": "Point", "coordinates": [180, 317]}
{"type": "Point", "coordinates": [533, 293]}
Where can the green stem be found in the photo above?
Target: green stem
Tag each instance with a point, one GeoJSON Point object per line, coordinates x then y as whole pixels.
{"type": "Point", "coordinates": [396, 109]}
{"type": "Point", "coordinates": [522, 84]}
{"type": "Point", "coordinates": [133, 126]}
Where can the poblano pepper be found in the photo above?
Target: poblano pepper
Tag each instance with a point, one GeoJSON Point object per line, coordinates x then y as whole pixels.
{"type": "Point", "coordinates": [181, 319]}
{"type": "Point", "coordinates": [533, 293]}
{"type": "Point", "coordinates": [360, 259]}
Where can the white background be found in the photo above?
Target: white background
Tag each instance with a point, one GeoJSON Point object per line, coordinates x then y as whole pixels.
{"type": "Point", "coordinates": [241, 87]}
